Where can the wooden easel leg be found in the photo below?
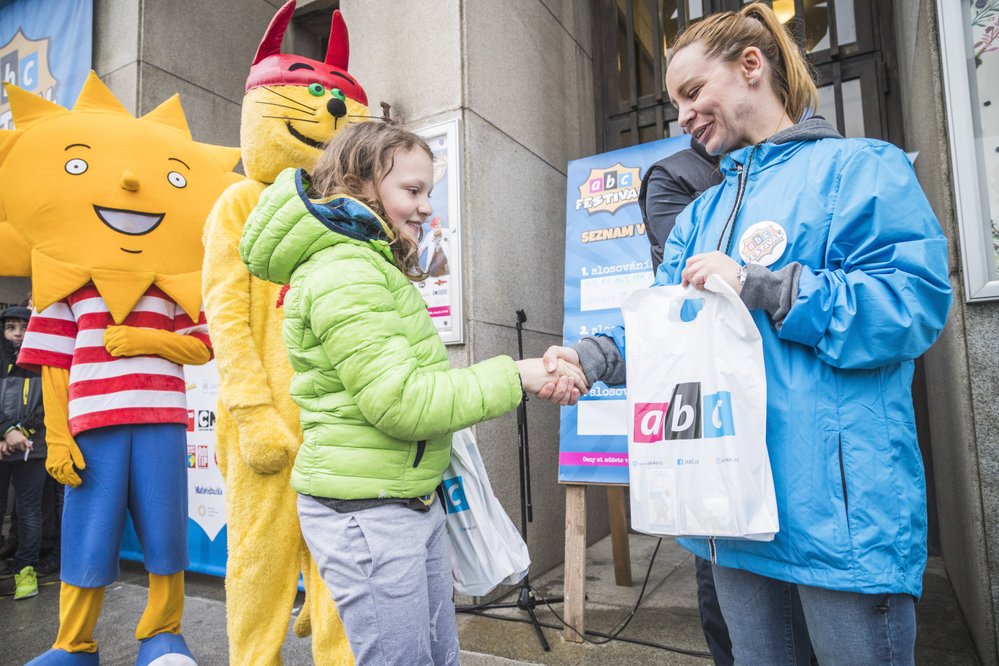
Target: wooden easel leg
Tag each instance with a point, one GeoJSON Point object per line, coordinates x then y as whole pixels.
{"type": "Point", "coordinates": [575, 562]}
{"type": "Point", "coordinates": [619, 536]}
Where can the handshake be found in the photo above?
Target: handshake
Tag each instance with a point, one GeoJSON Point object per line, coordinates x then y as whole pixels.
{"type": "Point", "coordinates": [556, 377]}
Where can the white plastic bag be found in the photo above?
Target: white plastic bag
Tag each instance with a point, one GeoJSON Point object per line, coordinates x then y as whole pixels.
{"type": "Point", "coordinates": [486, 548]}
{"type": "Point", "coordinates": [697, 405]}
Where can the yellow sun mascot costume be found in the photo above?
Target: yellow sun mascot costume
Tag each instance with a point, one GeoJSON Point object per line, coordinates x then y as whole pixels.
{"type": "Point", "coordinates": [112, 208]}
{"type": "Point", "coordinates": [292, 107]}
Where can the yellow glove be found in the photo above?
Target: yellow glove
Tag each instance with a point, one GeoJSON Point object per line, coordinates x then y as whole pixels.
{"type": "Point", "coordinates": [64, 453]}
{"type": "Point", "coordinates": [180, 349]}
{"type": "Point", "coordinates": [265, 442]}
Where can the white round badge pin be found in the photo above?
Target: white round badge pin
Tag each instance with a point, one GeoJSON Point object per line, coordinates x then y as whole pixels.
{"type": "Point", "coordinates": [762, 243]}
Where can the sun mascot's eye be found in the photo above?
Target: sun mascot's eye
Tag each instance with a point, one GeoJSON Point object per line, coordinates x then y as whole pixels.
{"type": "Point", "coordinates": [76, 166]}
{"type": "Point", "coordinates": [177, 179]}
{"type": "Point", "coordinates": [316, 89]}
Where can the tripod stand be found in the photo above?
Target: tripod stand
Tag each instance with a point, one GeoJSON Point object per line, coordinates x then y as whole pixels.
{"type": "Point", "coordinates": [526, 598]}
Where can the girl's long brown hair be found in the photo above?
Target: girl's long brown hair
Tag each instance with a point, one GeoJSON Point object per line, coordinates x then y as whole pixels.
{"type": "Point", "coordinates": [354, 164]}
{"type": "Point", "coordinates": [728, 34]}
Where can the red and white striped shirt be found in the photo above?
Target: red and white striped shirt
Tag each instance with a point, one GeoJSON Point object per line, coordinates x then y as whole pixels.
{"type": "Point", "coordinates": [105, 390]}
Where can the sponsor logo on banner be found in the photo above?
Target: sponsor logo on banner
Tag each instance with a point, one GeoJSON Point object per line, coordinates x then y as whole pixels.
{"type": "Point", "coordinates": [685, 416]}
{"type": "Point", "coordinates": [606, 190]}
{"type": "Point", "coordinates": [206, 419]}
{"type": "Point", "coordinates": [454, 494]}
{"type": "Point", "coordinates": [192, 456]}
{"type": "Point", "coordinates": [25, 63]}
{"type": "Point", "coordinates": [190, 420]}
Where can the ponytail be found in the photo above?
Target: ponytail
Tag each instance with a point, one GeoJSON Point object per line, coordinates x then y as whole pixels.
{"type": "Point", "coordinates": [728, 34]}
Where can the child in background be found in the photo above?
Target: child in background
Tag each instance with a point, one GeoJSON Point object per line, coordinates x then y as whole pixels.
{"type": "Point", "coordinates": [22, 452]}
{"type": "Point", "coordinates": [379, 401]}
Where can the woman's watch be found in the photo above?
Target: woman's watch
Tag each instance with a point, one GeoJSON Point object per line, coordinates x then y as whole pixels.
{"type": "Point", "coordinates": [743, 271]}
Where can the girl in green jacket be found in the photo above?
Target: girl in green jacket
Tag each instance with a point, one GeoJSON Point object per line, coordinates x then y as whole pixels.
{"type": "Point", "coordinates": [379, 401]}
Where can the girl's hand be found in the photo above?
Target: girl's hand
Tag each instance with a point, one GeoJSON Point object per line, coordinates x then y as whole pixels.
{"type": "Point", "coordinates": [569, 378]}
{"type": "Point", "coordinates": [700, 266]}
{"type": "Point", "coordinates": [562, 392]}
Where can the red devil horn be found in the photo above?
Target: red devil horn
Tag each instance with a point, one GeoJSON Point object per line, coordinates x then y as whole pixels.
{"type": "Point", "coordinates": [271, 43]}
{"type": "Point", "coordinates": [338, 51]}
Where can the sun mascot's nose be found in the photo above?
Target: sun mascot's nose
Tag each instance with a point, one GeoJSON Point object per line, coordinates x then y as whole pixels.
{"type": "Point", "coordinates": [130, 181]}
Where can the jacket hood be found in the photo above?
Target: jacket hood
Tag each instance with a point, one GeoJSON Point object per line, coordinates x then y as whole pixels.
{"type": "Point", "coordinates": [781, 145]}
{"type": "Point", "coordinates": [286, 228]}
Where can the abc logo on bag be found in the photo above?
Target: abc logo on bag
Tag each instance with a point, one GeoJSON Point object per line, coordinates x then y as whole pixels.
{"type": "Point", "coordinates": [685, 416]}
{"type": "Point", "coordinates": [454, 495]}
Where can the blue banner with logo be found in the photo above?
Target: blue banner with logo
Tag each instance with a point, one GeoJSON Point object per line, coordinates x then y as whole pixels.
{"type": "Point", "coordinates": [45, 48]}
{"type": "Point", "coordinates": [606, 257]}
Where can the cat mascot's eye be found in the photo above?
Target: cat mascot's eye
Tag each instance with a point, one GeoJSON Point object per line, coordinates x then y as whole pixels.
{"type": "Point", "coordinates": [316, 89]}
{"type": "Point", "coordinates": [177, 179]}
{"type": "Point", "coordinates": [76, 166]}
{"type": "Point", "coordinates": [336, 92]}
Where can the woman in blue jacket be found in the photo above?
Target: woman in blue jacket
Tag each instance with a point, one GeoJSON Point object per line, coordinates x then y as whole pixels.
{"type": "Point", "coordinates": [843, 266]}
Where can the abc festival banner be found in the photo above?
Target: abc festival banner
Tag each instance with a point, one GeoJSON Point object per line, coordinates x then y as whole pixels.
{"type": "Point", "coordinates": [45, 48]}
{"type": "Point", "coordinates": [606, 258]}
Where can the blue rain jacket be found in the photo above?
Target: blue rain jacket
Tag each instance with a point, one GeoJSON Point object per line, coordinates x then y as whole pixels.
{"type": "Point", "coordinates": [873, 295]}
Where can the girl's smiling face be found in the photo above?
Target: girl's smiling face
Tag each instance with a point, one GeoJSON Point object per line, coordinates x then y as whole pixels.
{"type": "Point", "coordinates": [405, 191]}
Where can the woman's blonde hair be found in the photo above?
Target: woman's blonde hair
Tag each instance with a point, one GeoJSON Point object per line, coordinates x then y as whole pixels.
{"type": "Point", "coordinates": [728, 34]}
{"type": "Point", "coordinates": [354, 164]}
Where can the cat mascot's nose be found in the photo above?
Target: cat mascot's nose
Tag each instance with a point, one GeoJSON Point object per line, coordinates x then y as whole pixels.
{"type": "Point", "coordinates": [336, 107]}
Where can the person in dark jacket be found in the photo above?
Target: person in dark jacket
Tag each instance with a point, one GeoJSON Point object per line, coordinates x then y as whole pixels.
{"type": "Point", "coordinates": [668, 186]}
{"type": "Point", "coordinates": [22, 451]}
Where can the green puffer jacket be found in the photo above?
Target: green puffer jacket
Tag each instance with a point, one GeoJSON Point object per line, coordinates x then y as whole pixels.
{"type": "Point", "coordinates": [378, 400]}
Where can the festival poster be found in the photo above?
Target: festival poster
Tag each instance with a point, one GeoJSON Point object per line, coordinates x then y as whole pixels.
{"type": "Point", "coordinates": [440, 244]}
{"type": "Point", "coordinates": [206, 527]}
{"type": "Point", "coordinates": [606, 258]}
{"type": "Point", "coordinates": [46, 49]}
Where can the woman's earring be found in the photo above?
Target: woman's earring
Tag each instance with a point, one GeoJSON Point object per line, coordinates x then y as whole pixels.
{"type": "Point", "coordinates": [752, 82]}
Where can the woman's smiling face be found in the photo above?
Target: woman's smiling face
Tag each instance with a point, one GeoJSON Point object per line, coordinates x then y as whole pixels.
{"type": "Point", "coordinates": [712, 97]}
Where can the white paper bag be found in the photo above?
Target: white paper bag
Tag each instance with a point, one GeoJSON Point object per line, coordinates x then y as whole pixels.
{"type": "Point", "coordinates": [486, 548]}
{"type": "Point", "coordinates": [697, 406]}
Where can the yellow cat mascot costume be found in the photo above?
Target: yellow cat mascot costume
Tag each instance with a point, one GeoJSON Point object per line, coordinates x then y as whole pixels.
{"type": "Point", "coordinates": [292, 107]}
{"type": "Point", "coordinates": [112, 208]}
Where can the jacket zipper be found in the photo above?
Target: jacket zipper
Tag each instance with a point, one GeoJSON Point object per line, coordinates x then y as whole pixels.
{"type": "Point", "coordinates": [842, 479]}
{"type": "Point", "coordinates": [421, 446]}
{"type": "Point", "coordinates": [742, 172]}
{"type": "Point", "coordinates": [740, 190]}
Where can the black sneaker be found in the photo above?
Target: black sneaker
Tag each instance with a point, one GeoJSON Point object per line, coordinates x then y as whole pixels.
{"type": "Point", "coordinates": [48, 566]}
{"type": "Point", "coordinates": [7, 550]}
{"type": "Point", "coordinates": [6, 571]}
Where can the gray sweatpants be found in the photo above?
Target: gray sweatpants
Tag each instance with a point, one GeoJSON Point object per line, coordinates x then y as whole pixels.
{"type": "Point", "coordinates": [389, 569]}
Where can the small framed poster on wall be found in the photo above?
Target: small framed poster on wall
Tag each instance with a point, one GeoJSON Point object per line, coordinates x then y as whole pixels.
{"type": "Point", "coordinates": [440, 244]}
{"type": "Point", "coordinates": [969, 49]}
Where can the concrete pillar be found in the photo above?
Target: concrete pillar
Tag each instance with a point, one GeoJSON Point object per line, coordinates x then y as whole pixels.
{"type": "Point", "coordinates": [962, 368]}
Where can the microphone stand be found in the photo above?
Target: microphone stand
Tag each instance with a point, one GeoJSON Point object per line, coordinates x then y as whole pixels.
{"type": "Point", "coordinates": [526, 598]}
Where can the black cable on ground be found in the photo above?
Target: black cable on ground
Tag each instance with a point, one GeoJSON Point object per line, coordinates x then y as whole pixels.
{"type": "Point", "coordinates": [615, 632]}
{"type": "Point", "coordinates": [668, 648]}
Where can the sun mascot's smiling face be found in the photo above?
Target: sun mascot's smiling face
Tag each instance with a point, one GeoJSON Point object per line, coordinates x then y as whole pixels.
{"type": "Point", "coordinates": [96, 192]}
